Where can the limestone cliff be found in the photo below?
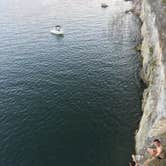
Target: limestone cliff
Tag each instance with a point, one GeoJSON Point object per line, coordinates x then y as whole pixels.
{"type": "Point", "coordinates": [153, 53]}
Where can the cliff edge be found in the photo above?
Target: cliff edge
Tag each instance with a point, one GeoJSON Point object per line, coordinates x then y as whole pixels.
{"type": "Point", "coordinates": [153, 56]}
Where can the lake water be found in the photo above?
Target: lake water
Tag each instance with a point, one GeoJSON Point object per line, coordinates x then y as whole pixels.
{"type": "Point", "coordinates": [72, 100]}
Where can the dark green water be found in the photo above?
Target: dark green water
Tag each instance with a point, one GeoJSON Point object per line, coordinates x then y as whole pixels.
{"type": "Point", "coordinates": [71, 101]}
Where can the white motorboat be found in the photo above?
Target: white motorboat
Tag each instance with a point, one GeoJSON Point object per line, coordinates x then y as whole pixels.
{"type": "Point", "coordinates": [104, 5]}
{"type": "Point", "coordinates": [57, 30]}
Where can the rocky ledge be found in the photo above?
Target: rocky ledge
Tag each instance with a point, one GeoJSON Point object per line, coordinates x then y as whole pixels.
{"type": "Point", "coordinates": [153, 57]}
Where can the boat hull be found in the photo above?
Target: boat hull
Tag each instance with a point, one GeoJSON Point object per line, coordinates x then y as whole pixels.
{"type": "Point", "coordinates": [54, 32]}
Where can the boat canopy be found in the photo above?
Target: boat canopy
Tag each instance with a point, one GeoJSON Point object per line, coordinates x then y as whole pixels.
{"type": "Point", "coordinates": [58, 26]}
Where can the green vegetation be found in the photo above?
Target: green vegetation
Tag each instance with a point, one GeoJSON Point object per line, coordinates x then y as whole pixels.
{"type": "Point", "coordinates": [138, 47]}
{"type": "Point", "coordinates": [151, 51]}
{"type": "Point", "coordinates": [140, 58]}
{"type": "Point", "coordinates": [153, 63]}
{"type": "Point", "coordinates": [164, 1]}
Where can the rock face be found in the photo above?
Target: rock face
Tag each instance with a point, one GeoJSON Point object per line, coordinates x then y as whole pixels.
{"type": "Point", "coordinates": [153, 53]}
{"type": "Point", "coordinates": [137, 6]}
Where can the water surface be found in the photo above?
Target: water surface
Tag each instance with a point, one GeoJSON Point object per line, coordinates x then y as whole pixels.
{"type": "Point", "coordinates": [71, 101]}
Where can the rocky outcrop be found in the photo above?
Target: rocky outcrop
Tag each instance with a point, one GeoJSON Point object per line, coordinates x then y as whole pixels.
{"type": "Point", "coordinates": [153, 53]}
{"type": "Point", "coordinates": [137, 7]}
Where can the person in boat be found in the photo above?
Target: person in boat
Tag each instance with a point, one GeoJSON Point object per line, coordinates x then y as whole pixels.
{"type": "Point", "coordinates": [156, 153]}
{"type": "Point", "coordinates": [58, 27]}
{"type": "Point", "coordinates": [133, 161]}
